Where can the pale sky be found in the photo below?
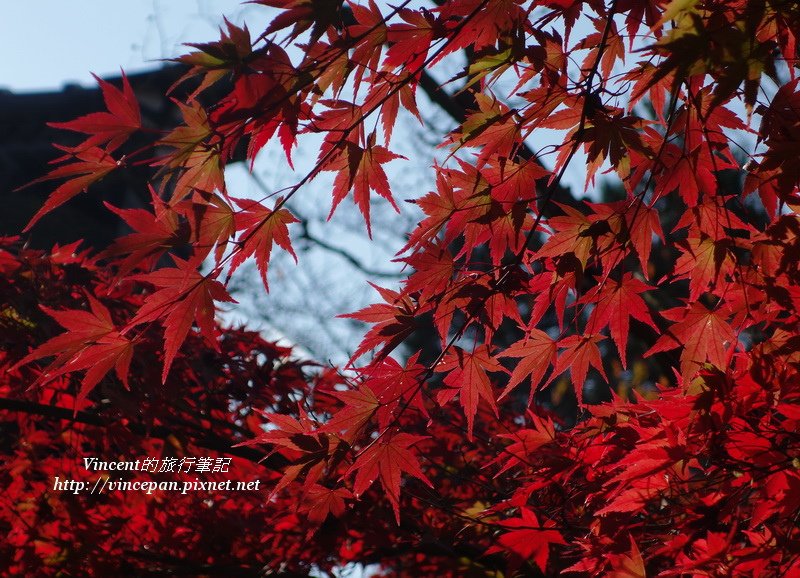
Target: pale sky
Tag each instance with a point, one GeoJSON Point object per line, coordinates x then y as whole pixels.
{"type": "Point", "coordinates": [47, 43]}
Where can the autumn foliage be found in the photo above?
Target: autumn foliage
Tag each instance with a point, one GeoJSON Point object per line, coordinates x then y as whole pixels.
{"type": "Point", "coordinates": [665, 310]}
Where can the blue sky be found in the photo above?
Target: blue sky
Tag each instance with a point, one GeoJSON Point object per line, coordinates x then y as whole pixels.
{"type": "Point", "coordinates": [47, 43]}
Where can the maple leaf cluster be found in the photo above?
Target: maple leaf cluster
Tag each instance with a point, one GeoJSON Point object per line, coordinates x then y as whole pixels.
{"type": "Point", "coordinates": [207, 406]}
{"type": "Point", "coordinates": [668, 313]}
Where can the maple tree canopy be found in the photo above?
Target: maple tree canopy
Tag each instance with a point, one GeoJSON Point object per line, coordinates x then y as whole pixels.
{"type": "Point", "coordinates": [609, 386]}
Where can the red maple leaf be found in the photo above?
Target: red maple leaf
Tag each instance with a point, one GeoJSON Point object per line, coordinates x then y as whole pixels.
{"type": "Point", "coordinates": [359, 169]}
{"type": "Point", "coordinates": [213, 60]}
{"type": "Point", "coordinates": [261, 227]}
{"type": "Point", "coordinates": [184, 296]}
{"type": "Point", "coordinates": [581, 351]}
{"type": "Point", "coordinates": [467, 377]}
{"type": "Point", "coordinates": [92, 343]}
{"type": "Point", "coordinates": [154, 234]}
{"type": "Point", "coordinates": [643, 222]}
{"type": "Point", "coordinates": [197, 157]}
{"type": "Point", "coordinates": [321, 501]}
{"type": "Point", "coordinates": [494, 128]}
{"type": "Point", "coordinates": [394, 321]}
{"type": "Point", "coordinates": [88, 166]}
{"type": "Point", "coordinates": [707, 264]}
{"type": "Point", "coordinates": [527, 539]}
{"type": "Point", "coordinates": [394, 383]}
{"type": "Point", "coordinates": [571, 236]}
{"type": "Point", "coordinates": [112, 127]}
{"type": "Point", "coordinates": [212, 222]}
{"type": "Point", "coordinates": [511, 179]}
{"type": "Point", "coordinates": [409, 42]}
{"type": "Point", "coordinates": [387, 458]}
{"type": "Point", "coordinates": [704, 334]}
{"type": "Point", "coordinates": [302, 15]}
{"type": "Point", "coordinates": [525, 442]}
{"type": "Point", "coordinates": [536, 351]}
{"type": "Point", "coordinates": [370, 30]}
{"type": "Point", "coordinates": [615, 303]}
{"type": "Point", "coordinates": [487, 22]}
{"type": "Point", "coordinates": [627, 566]}
{"type": "Point", "coordinates": [360, 405]}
